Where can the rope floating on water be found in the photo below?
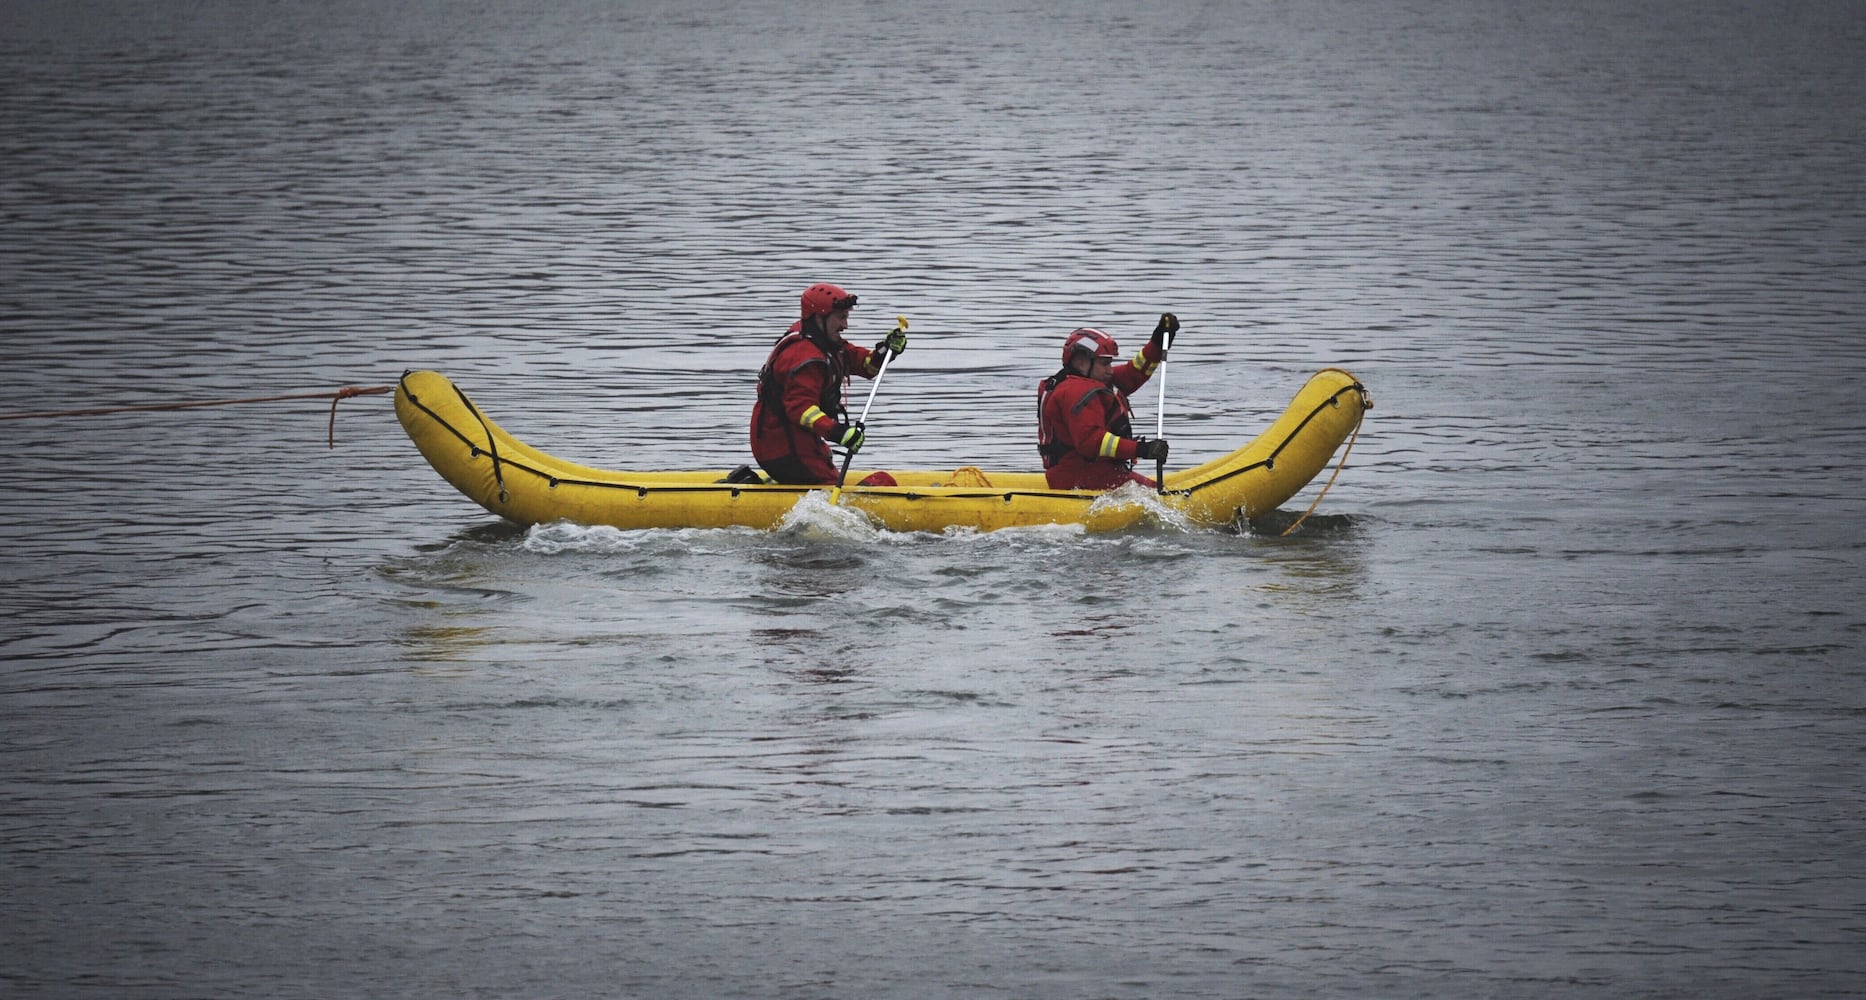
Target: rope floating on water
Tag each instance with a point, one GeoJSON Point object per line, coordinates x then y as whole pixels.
{"type": "Point", "coordinates": [334, 396]}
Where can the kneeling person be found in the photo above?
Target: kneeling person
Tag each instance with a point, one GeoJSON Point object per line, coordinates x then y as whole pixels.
{"type": "Point", "coordinates": [800, 409]}
{"type": "Point", "coordinates": [1084, 422]}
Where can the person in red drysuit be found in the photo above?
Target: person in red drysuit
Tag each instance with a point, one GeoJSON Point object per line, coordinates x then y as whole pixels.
{"type": "Point", "coordinates": [800, 410]}
{"type": "Point", "coordinates": [1084, 423]}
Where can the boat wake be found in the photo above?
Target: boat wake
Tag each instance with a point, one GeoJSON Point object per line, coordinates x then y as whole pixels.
{"type": "Point", "coordinates": [816, 519]}
{"type": "Point", "coordinates": [1158, 515]}
{"type": "Point", "coordinates": [563, 536]}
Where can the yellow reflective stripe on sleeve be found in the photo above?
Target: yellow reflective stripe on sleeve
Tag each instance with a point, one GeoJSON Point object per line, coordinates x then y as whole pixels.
{"type": "Point", "coordinates": [1140, 362]}
{"type": "Point", "coordinates": [811, 416]}
{"type": "Point", "coordinates": [1110, 445]}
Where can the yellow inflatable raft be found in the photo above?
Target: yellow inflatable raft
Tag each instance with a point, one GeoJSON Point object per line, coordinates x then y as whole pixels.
{"type": "Point", "coordinates": [518, 482]}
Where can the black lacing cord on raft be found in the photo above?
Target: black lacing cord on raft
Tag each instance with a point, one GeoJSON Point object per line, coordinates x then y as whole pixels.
{"type": "Point", "coordinates": [640, 490]}
{"type": "Point", "coordinates": [492, 447]}
{"type": "Point", "coordinates": [1366, 404]}
{"type": "Point", "coordinates": [1270, 463]}
{"type": "Point", "coordinates": [491, 450]}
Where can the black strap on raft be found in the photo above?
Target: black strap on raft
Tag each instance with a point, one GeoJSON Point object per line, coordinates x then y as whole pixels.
{"type": "Point", "coordinates": [492, 447]}
{"type": "Point", "coordinates": [1360, 393]}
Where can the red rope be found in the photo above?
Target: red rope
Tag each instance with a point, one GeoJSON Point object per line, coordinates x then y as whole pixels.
{"type": "Point", "coordinates": [334, 397]}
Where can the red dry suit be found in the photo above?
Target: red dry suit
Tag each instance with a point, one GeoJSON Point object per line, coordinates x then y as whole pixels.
{"type": "Point", "coordinates": [1085, 428]}
{"type": "Point", "coordinates": [800, 404]}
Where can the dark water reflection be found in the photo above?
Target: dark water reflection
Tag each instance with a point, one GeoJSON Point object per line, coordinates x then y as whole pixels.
{"type": "Point", "coordinates": [1558, 693]}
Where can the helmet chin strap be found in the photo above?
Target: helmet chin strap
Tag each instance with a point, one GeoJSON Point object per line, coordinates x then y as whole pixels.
{"type": "Point", "coordinates": [1083, 364]}
{"type": "Point", "coordinates": [817, 333]}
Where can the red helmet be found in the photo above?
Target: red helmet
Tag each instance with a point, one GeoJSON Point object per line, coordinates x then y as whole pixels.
{"type": "Point", "coordinates": [1090, 341]}
{"type": "Point", "coordinates": [823, 298]}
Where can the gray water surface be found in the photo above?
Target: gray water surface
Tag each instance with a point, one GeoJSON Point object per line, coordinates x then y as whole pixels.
{"type": "Point", "coordinates": [1559, 693]}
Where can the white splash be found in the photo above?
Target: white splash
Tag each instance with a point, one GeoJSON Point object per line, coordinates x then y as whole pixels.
{"type": "Point", "coordinates": [814, 517]}
{"type": "Point", "coordinates": [563, 536]}
{"type": "Point", "coordinates": [1158, 514]}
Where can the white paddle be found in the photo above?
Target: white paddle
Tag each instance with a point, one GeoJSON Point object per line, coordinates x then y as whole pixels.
{"type": "Point", "coordinates": [1159, 424]}
{"type": "Point", "coordinates": [900, 326]}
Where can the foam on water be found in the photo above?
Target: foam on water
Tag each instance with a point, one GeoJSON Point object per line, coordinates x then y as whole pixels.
{"type": "Point", "coordinates": [1159, 515]}
{"type": "Point", "coordinates": [564, 536]}
{"type": "Point", "coordinates": [815, 518]}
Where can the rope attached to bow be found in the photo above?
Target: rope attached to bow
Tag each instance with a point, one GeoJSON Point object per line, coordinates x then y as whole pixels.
{"type": "Point", "coordinates": [335, 397]}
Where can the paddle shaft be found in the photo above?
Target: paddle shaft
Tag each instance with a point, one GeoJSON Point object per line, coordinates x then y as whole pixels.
{"type": "Point", "coordinates": [876, 387]}
{"type": "Point", "coordinates": [1159, 424]}
{"type": "Point", "coordinates": [862, 421]}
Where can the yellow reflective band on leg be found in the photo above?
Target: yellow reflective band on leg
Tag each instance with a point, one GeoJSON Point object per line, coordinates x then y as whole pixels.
{"type": "Point", "coordinates": [1110, 445]}
{"type": "Point", "coordinates": [811, 416]}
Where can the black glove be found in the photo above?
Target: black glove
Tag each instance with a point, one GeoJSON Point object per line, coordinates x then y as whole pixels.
{"type": "Point", "coordinates": [1169, 326]}
{"type": "Point", "coordinates": [1152, 449]}
{"type": "Point", "coordinates": [894, 343]}
{"type": "Point", "coordinates": [847, 435]}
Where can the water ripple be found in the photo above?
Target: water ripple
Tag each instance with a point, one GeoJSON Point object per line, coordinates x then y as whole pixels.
{"type": "Point", "coordinates": [1556, 695]}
